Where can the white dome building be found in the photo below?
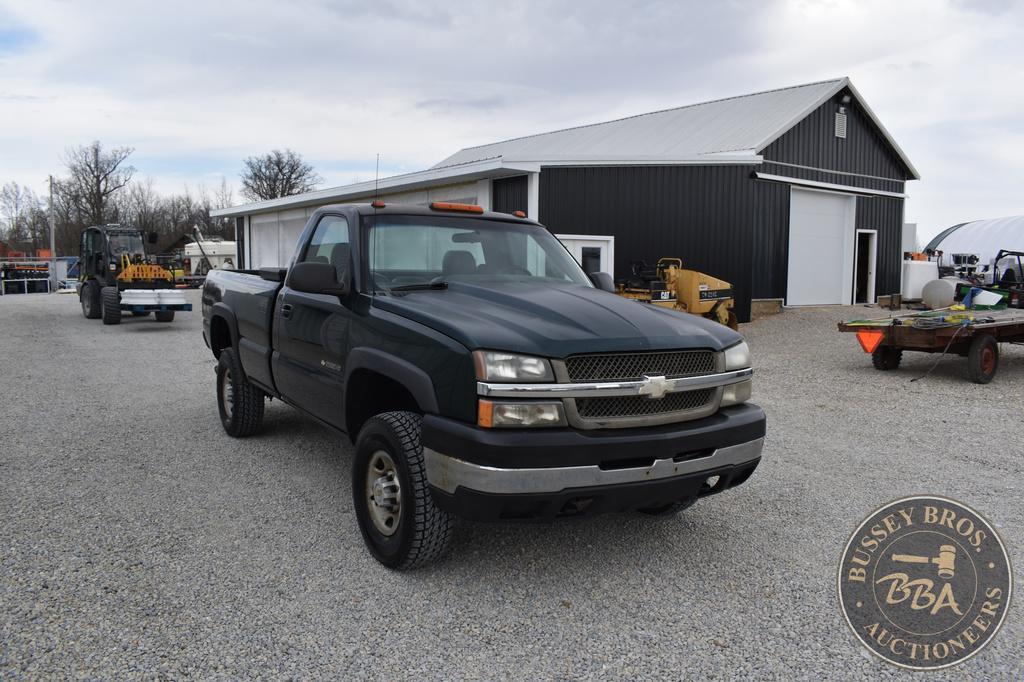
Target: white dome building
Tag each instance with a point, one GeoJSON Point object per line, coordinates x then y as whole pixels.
{"type": "Point", "coordinates": [981, 237]}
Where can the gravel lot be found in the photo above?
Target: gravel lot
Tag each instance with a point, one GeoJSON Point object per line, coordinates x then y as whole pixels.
{"type": "Point", "coordinates": [136, 539]}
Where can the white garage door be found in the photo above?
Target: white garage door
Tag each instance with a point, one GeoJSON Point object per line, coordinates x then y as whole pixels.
{"type": "Point", "coordinates": [821, 234]}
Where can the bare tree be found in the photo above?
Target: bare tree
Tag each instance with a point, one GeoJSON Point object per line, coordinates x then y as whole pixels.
{"type": "Point", "coordinates": [277, 174]}
{"type": "Point", "coordinates": [17, 207]}
{"type": "Point", "coordinates": [96, 175]}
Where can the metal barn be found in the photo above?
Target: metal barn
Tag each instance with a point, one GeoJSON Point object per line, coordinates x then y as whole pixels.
{"type": "Point", "coordinates": [795, 194]}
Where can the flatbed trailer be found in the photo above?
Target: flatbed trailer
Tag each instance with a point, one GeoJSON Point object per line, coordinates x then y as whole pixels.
{"type": "Point", "coordinates": [974, 334]}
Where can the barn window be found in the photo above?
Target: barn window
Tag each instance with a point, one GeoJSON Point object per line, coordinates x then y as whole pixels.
{"type": "Point", "coordinates": [841, 124]}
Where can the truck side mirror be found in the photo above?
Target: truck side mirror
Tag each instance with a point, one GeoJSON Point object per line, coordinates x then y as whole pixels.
{"type": "Point", "coordinates": [603, 281]}
{"type": "Point", "coordinates": [316, 278]}
{"type": "Point", "coordinates": [153, 237]}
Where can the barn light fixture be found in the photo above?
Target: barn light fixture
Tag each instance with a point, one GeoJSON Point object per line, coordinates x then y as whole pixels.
{"type": "Point", "coordinates": [846, 99]}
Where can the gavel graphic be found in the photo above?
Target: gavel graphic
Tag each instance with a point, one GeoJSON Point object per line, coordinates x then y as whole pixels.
{"type": "Point", "coordinates": [946, 561]}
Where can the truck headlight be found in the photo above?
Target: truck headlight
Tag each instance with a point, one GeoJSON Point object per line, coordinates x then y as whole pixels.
{"type": "Point", "coordinates": [498, 366]}
{"type": "Point", "coordinates": [492, 414]}
{"type": "Point", "coordinates": [737, 357]}
{"type": "Point", "coordinates": [113, 267]}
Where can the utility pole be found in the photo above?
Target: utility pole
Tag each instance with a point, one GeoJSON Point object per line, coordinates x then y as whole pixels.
{"type": "Point", "coordinates": [53, 249]}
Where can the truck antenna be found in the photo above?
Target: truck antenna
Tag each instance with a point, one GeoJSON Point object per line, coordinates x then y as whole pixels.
{"type": "Point", "coordinates": [376, 179]}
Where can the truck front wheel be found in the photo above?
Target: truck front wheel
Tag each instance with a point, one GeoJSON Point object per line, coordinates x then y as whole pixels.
{"type": "Point", "coordinates": [110, 302]}
{"type": "Point", "coordinates": [400, 523]}
{"type": "Point", "coordinates": [240, 403]}
{"type": "Point", "coordinates": [90, 297]}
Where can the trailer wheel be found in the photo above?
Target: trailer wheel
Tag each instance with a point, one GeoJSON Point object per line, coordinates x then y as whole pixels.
{"type": "Point", "coordinates": [400, 523]}
{"type": "Point", "coordinates": [110, 302]}
{"type": "Point", "coordinates": [239, 402]}
{"type": "Point", "coordinates": [886, 358]}
{"type": "Point", "coordinates": [164, 315]}
{"type": "Point", "coordinates": [983, 359]}
{"type": "Point", "coordinates": [90, 298]}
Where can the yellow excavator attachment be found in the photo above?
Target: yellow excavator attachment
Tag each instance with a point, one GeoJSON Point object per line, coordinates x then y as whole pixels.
{"type": "Point", "coordinates": [141, 272]}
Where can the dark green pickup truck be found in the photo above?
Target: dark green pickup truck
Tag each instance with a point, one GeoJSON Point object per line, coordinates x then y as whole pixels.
{"type": "Point", "coordinates": [480, 373]}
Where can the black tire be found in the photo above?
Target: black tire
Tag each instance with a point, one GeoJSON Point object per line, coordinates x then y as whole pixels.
{"type": "Point", "coordinates": [164, 315]}
{"type": "Point", "coordinates": [886, 358]}
{"type": "Point", "coordinates": [141, 313]}
{"type": "Point", "coordinates": [669, 510]}
{"type": "Point", "coordinates": [423, 530]}
{"type": "Point", "coordinates": [90, 299]}
{"type": "Point", "coordinates": [239, 402]}
{"type": "Point", "coordinates": [110, 302]}
{"type": "Point", "coordinates": [983, 359]}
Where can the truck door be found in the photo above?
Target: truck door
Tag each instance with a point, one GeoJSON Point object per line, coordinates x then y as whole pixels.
{"type": "Point", "coordinates": [91, 261]}
{"type": "Point", "coordinates": [311, 330]}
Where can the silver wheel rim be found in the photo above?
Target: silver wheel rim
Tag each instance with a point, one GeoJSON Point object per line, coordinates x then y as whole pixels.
{"type": "Point", "coordinates": [227, 392]}
{"type": "Point", "coordinates": [383, 493]}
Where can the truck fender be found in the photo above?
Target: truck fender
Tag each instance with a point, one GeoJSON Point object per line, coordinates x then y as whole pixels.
{"type": "Point", "coordinates": [221, 310]}
{"type": "Point", "coordinates": [409, 375]}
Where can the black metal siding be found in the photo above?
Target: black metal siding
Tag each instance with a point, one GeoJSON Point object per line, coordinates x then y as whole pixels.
{"type": "Point", "coordinates": [771, 239]}
{"type": "Point", "coordinates": [509, 194]}
{"type": "Point", "coordinates": [812, 142]}
{"type": "Point", "coordinates": [702, 214]}
{"type": "Point", "coordinates": [240, 242]}
{"type": "Point", "coordinates": [884, 214]}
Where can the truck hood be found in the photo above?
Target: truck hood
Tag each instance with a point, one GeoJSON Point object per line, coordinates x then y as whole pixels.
{"type": "Point", "coordinates": [553, 320]}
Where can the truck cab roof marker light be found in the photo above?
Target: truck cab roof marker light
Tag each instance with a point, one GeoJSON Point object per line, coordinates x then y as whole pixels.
{"type": "Point", "coordinates": [450, 206]}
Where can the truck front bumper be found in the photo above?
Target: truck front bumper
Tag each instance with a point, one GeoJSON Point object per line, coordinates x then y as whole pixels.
{"type": "Point", "coordinates": [540, 474]}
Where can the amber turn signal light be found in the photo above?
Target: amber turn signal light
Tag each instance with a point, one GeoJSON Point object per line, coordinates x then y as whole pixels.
{"type": "Point", "coordinates": [485, 414]}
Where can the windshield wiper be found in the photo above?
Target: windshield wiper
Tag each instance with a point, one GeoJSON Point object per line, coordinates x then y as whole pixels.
{"type": "Point", "coordinates": [436, 284]}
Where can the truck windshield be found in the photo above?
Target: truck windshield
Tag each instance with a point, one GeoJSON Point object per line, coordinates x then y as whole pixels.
{"type": "Point", "coordinates": [125, 242]}
{"type": "Point", "coordinates": [407, 251]}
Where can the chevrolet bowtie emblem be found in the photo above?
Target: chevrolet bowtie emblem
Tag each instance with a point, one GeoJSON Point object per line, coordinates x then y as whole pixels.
{"type": "Point", "coordinates": [655, 387]}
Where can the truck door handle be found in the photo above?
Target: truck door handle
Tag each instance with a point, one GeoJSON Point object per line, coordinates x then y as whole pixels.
{"type": "Point", "coordinates": [286, 310]}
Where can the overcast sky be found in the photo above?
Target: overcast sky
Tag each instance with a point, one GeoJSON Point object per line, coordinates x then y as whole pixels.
{"type": "Point", "coordinates": [195, 87]}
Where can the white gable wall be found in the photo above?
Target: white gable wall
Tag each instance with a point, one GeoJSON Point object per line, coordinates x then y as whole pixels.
{"type": "Point", "coordinates": [272, 237]}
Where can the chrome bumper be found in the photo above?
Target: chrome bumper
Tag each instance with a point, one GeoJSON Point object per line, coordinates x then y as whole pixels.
{"type": "Point", "coordinates": [448, 473]}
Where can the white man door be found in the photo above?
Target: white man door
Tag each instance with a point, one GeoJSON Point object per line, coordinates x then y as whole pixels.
{"type": "Point", "coordinates": [593, 253]}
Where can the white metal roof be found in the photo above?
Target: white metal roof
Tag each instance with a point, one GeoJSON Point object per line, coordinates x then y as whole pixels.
{"type": "Point", "coordinates": [982, 237]}
{"type": "Point", "coordinates": [735, 126]}
{"type": "Point", "coordinates": [731, 130]}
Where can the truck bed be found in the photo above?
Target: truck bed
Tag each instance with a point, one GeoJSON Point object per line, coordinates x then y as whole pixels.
{"type": "Point", "coordinates": [250, 297]}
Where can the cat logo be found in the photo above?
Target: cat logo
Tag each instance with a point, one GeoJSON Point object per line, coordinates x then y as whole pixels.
{"type": "Point", "coordinates": [925, 583]}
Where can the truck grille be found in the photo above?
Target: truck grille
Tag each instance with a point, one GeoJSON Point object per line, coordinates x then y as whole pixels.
{"type": "Point", "coordinates": [626, 366]}
{"type": "Point", "coordinates": [633, 411]}
{"type": "Point", "coordinates": [640, 406]}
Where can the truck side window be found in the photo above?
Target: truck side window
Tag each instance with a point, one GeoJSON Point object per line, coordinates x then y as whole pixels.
{"type": "Point", "coordinates": [330, 244]}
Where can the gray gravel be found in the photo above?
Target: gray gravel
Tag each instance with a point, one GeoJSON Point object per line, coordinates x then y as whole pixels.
{"type": "Point", "coordinates": [136, 539]}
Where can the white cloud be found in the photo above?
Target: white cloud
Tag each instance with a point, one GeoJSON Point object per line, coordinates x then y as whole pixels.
{"type": "Point", "coordinates": [197, 86]}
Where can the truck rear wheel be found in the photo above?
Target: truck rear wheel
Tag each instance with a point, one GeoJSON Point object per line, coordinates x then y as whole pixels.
{"type": "Point", "coordinates": [164, 315]}
{"type": "Point", "coordinates": [239, 402]}
{"type": "Point", "coordinates": [983, 359]}
{"type": "Point", "coordinates": [90, 299]}
{"type": "Point", "coordinates": [110, 302]}
{"type": "Point", "coordinates": [400, 523]}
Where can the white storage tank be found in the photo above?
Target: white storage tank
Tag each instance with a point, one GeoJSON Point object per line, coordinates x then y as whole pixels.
{"type": "Point", "coordinates": [917, 273]}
